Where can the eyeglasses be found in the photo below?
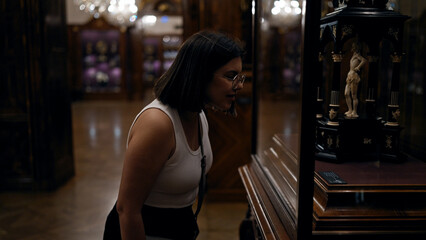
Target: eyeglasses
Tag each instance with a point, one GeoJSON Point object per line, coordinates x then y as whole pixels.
{"type": "Point", "coordinates": [237, 79]}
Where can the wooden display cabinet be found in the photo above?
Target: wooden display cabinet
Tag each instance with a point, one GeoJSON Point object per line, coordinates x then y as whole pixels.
{"type": "Point", "coordinates": [296, 193]}
{"type": "Point", "coordinates": [158, 55]}
{"type": "Point", "coordinates": [98, 63]}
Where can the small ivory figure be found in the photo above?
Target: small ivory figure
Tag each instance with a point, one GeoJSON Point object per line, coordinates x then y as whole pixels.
{"type": "Point", "coordinates": [352, 81]}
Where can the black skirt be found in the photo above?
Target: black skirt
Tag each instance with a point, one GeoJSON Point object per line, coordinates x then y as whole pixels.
{"type": "Point", "coordinates": [173, 223]}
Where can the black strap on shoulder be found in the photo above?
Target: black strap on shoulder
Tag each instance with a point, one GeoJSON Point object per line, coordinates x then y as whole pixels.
{"type": "Point", "coordinates": [202, 185]}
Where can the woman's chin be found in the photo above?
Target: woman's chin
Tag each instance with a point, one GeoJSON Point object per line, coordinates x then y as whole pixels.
{"type": "Point", "coordinates": [220, 107]}
{"type": "Point", "coordinates": [227, 106]}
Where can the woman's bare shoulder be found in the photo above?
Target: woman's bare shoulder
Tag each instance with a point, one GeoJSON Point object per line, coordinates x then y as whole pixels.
{"type": "Point", "coordinates": [152, 134]}
{"type": "Point", "coordinates": [154, 121]}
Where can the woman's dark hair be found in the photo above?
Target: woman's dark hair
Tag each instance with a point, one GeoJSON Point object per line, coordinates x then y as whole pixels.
{"type": "Point", "coordinates": [183, 86]}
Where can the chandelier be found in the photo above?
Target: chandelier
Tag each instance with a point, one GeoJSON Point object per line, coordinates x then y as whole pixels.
{"type": "Point", "coordinates": [286, 13]}
{"type": "Point", "coordinates": [117, 12]}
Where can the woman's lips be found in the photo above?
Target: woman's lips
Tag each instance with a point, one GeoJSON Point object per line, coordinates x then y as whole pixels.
{"type": "Point", "coordinates": [231, 96]}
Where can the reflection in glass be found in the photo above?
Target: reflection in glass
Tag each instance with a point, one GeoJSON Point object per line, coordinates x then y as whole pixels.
{"type": "Point", "coordinates": [279, 60]}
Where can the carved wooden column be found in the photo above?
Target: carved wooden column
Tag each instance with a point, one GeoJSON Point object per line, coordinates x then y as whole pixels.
{"type": "Point", "coordinates": [335, 90]}
{"type": "Point", "coordinates": [370, 101]}
{"type": "Point", "coordinates": [391, 129]}
{"type": "Point", "coordinates": [373, 75]}
{"type": "Point", "coordinates": [320, 99]}
{"type": "Point", "coordinates": [393, 102]}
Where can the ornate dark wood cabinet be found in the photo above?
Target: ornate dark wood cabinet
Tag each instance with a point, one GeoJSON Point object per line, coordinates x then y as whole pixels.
{"type": "Point", "coordinates": [35, 107]}
{"type": "Point", "coordinates": [98, 66]}
{"type": "Point", "coordinates": [375, 132]}
{"type": "Point", "coordinates": [311, 176]}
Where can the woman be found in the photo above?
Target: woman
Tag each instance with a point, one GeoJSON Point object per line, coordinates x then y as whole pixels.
{"type": "Point", "coordinates": [169, 139]}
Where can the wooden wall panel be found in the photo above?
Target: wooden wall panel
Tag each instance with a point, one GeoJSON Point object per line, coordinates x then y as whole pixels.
{"type": "Point", "coordinates": [222, 15]}
{"type": "Point", "coordinates": [15, 147]}
{"type": "Point", "coordinates": [191, 17]}
{"type": "Point", "coordinates": [35, 109]}
{"type": "Point", "coordinates": [230, 137]}
{"type": "Point", "coordinates": [231, 143]}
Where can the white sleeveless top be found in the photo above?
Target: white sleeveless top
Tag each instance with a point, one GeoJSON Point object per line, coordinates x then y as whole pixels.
{"type": "Point", "coordinates": [177, 183]}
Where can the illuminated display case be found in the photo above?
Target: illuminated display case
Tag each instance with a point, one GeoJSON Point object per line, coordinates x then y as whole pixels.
{"type": "Point", "coordinates": [316, 172]}
{"type": "Point", "coordinates": [101, 61]}
{"type": "Point", "coordinates": [98, 65]}
{"type": "Point", "coordinates": [158, 55]}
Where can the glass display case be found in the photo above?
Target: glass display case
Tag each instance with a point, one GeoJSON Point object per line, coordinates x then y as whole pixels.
{"type": "Point", "coordinates": [101, 61]}
{"type": "Point", "coordinates": [337, 120]}
{"type": "Point", "coordinates": [283, 118]}
{"type": "Point", "coordinates": [98, 63]}
{"type": "Point", "coordinates": [158, 55]}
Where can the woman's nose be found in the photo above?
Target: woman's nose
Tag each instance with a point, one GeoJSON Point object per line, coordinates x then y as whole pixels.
{"type": "Point", "coordinates": [238, 86]}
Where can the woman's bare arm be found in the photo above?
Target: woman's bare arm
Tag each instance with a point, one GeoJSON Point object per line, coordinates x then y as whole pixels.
{"type": "Point", "coordinates": [151, 143]}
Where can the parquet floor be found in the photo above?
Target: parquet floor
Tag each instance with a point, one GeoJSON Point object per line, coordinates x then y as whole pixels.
{"type": "Point", "coordinates": [77, 210]}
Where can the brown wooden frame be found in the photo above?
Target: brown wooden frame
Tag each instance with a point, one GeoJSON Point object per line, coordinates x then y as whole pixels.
{"type": "Point", "coordinates": [273, 215]}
